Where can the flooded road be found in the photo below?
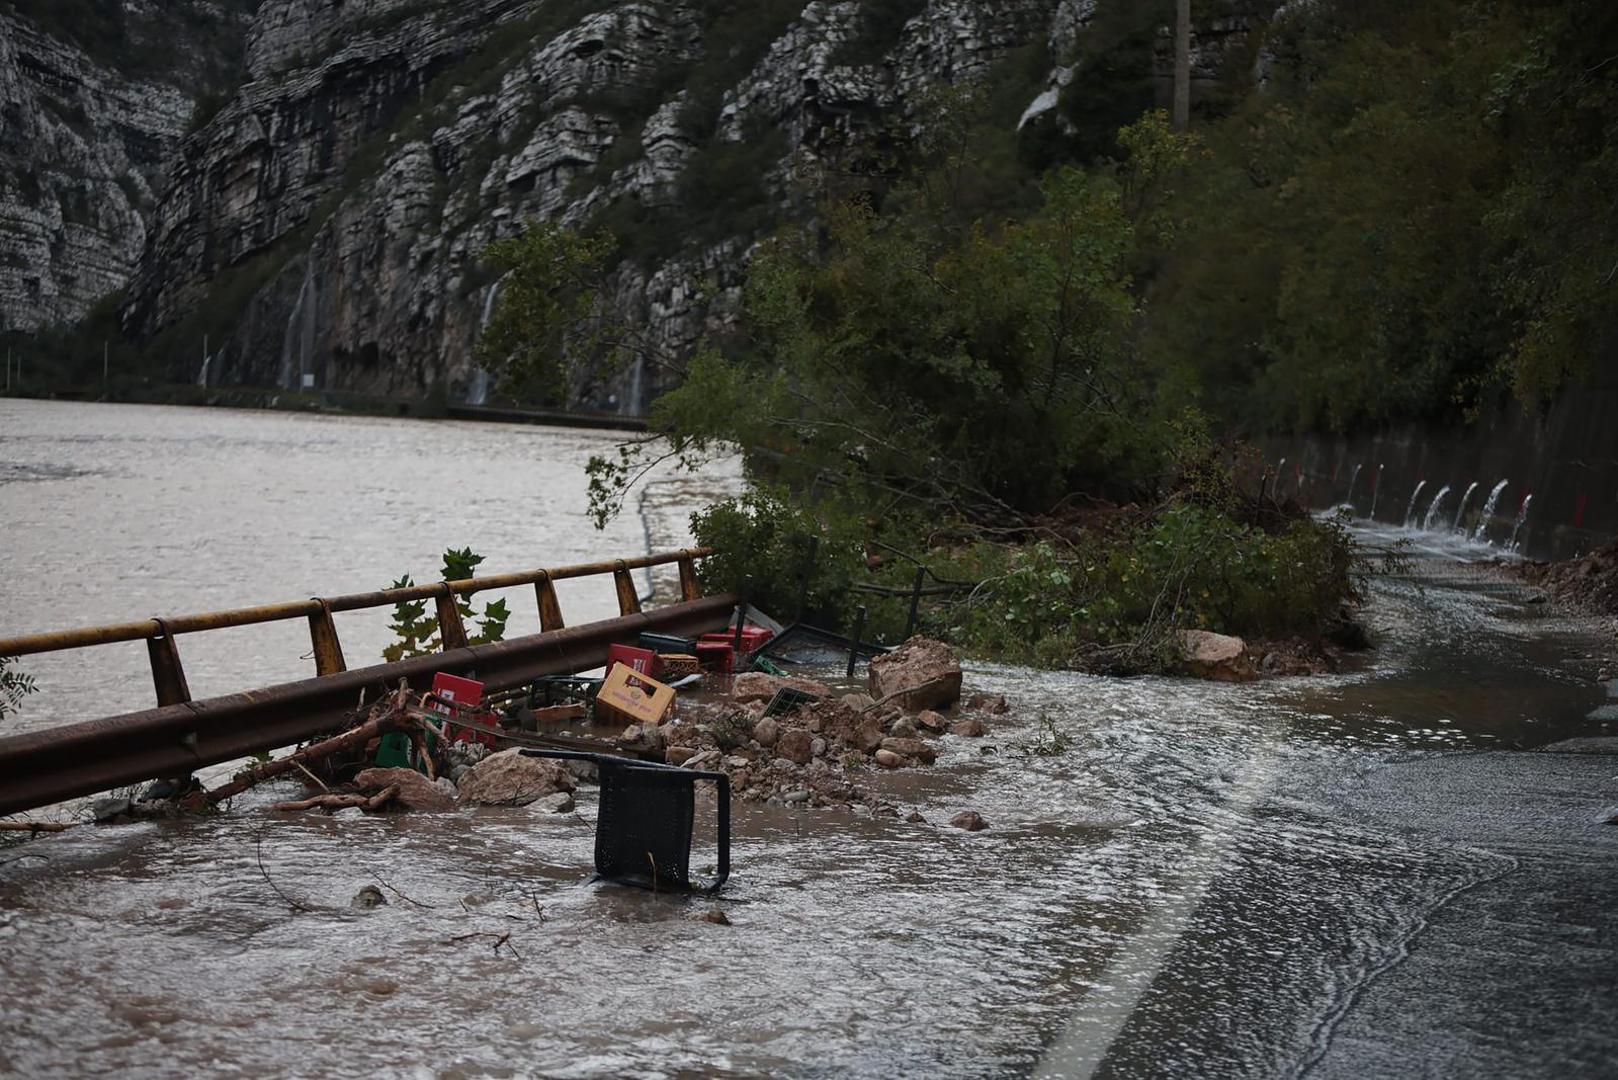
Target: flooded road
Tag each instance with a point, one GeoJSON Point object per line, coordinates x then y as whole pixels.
{"type": "Point", "coordinates": [1384, 873]}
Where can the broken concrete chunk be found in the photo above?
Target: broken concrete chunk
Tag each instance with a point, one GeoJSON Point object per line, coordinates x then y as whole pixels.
{"type": "Point", "coordinates": [970, 820]}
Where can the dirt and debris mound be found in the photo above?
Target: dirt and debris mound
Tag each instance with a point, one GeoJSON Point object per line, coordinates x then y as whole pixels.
{"type": "Point", "coordinates": [1589, 581]}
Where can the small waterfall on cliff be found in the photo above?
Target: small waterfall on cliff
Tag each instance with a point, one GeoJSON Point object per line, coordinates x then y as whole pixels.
{"type": "Point", "coordinates": [1376, 489]}
{"type": "Point", "coordinates": [1522, 516]}
{"type": "Point", "coordinates": [1460, 511]}
{"type": "Point", "coordinates": [1410, 511]}
{"type": "Point", "coordinates": [300, 334]}
{"type": "Point", "coordinates": [477, 393]}
{"type": "Point", "coordinates": [632, 406]}
{"type": "Point", "coordinates": [1352, 480]}
{"type": "Point", "coordinates": [1482, 530]}
{"type": "Point", "coordinates": [1432, 511]}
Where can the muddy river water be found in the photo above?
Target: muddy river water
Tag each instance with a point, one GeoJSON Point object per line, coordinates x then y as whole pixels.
{"type": "Point", "coordinates": [1398, 871]}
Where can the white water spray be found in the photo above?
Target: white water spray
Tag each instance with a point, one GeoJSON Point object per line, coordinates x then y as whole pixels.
{"type": "Point", "coordinates": [300, 333]}
{"type": "Point", "coordinates": [1352, 480]}
{"type": "Point", "coordinates": [1432, 511]}
{"type": "Point", "coordinates": [1522, 516]}
{"type": "Point", "coordinates": [1488, 511]}
{"type": "Point", "coordinates": [1376, 489]}
{"type": "Point", "coordinates": [1410, 511]}
{"type": "Point", "coordinates": [477, 392]}
{"type": "Point", "coordinates": [1460, 511]}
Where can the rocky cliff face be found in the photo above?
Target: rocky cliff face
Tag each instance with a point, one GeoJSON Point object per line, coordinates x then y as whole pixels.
{"type": "Point", "coordinates": [325, 228]}
{"type": "Point", "coordinates": [94, 99]}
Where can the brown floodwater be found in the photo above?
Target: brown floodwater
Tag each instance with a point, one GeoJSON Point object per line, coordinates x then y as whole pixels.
{"type": "Point", "coordinates": [1369, 874]}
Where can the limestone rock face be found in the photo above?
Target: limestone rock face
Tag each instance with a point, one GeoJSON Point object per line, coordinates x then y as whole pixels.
{"type": "Point", "coordinates": [326, 225]}
{"type": "Point", "coordinates": [88, 136]}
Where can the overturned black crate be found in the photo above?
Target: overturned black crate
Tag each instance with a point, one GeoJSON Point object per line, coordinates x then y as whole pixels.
{"type": "Point", "coordinates": [645, 821]}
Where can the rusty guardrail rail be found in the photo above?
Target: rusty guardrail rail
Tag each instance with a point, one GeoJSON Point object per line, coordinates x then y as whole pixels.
{"type": "Point", "coordinates": [181, 735]}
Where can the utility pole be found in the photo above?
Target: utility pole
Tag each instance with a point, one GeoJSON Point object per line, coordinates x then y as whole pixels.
{"type": "Point", "coordinates": [1182, 64]}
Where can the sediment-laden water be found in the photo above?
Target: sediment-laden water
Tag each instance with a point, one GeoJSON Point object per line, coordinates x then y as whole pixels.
{"type": "Point", "coordinates": [1368, 874]}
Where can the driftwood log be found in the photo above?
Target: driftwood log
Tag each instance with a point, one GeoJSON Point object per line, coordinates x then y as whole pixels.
{"type": "Point", "coordinates": [387, 716]}
{"type": "Point", "coordinates": [368, 803]}
{"type": "Point", "coordinates": [34, 826]}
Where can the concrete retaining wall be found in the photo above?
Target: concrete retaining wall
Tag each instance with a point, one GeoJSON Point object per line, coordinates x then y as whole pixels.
{"type": "Point", "coordinates": [1560, 474]}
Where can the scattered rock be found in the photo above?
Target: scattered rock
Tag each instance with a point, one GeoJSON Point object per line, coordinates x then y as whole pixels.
{"type": "Point", "coordinates": [932, 722]}
{"type": "Point", "coordinates": [970, 820]}
{"type": "Point", "coordinates": [108, 810]}
{"type": "Point", "coordinates": [416, 792]}
{"type": "Point", "coordinates": [583, 770]}
{"type": "Point", "coordinates": [757, 686]}
{"type": "Point", "coordinates": [801, 795]}
{"type": "Point", "coordinates": [903, 728]}
{"type": "Point", "coordinates": [914, 749]}
{"type": "Point", "coordinates": [888, 759]}
{"type": "Point", "coordinates": [993, 704]}
{"type": "Point", "coordinates": [510, 778]}
{"type": "Point", "coordinates": [705, 761]}
{"type": "Point", "coordinates": [1215, 656]}
{"type": "Point", "coordinates": [448, 786]}
{"type": "Point", "coordinates": [368, 897]}
{"type": "Point", "coordinates": [796, 745]}
{"type": "Point", "coordinates": [716, 916]}
{"type": "Point", "coordinates": [915, 818]}
{"type": "Point", "coordinates": [817, 747]}
{"type": "Point", "coordinates": [766, 731]}
{"type": "Point", "coordinates": [923, 671]}
{"type": "Point", "coordinates": [858, 701]}
{"type": "Point", "coordinates": [971, 727]}
{"type": "Point", "coordinates": [640, 739]}
{"type": "Point", "coordinates": [680, 755]}
{"type": "Point", "coordinates": [560, 802]}
{"type": "Point", "coordinates": [349, 813]}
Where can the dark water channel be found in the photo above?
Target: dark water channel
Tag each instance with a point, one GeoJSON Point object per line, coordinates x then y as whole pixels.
{"type": "Point", "coordinates": [1375, 874]}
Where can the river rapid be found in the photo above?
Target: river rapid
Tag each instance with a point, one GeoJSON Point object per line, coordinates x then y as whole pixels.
{"type": "Point", "coordinates": [1396, 871]}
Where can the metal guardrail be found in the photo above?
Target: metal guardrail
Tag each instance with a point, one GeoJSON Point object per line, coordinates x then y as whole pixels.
{"type": "Point", "coordinates": [168, 675]}
{"type": "Point", "coordinates": [182, 735]}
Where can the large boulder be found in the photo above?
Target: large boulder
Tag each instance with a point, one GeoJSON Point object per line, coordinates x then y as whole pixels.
{"type": "Point", "coordinates": [1215, 656]}
{"type": "Point", "coordinates": [757, 686]}
{"type": "Point", "coordinates": [922, 672]}
{"type": "Point", "coordinates": [416, 792]}
{"type": "Point", "coordinates": [511, 778]}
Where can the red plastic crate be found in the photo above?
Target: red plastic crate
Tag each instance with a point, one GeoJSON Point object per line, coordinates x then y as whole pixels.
{"type": "Point", "coordinates": [753, 637]}
{"type": "Point", "coordinates": [644, 661]}
{"type": "Point", "coordinates": [463, 692]}
{"type": "Point", "coordinates": [716, 656]}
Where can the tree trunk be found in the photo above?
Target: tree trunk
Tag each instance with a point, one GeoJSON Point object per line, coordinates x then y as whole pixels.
{"type": "Point", "coordinates": [1182, 64]}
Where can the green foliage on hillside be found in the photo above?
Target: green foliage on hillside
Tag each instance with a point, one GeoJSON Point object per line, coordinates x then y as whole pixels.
{"type": "Point", "coordinates": [1416, 218]}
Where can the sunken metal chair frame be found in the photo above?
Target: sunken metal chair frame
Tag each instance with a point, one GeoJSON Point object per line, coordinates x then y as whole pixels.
{"type": "Point", "coordinates": [645, 821]}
